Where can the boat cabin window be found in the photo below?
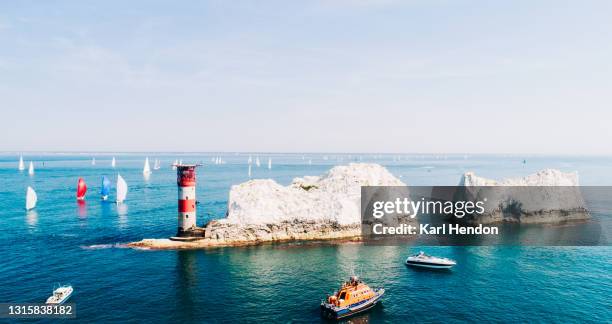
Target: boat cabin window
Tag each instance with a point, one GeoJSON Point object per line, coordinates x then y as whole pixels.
{"type": "Point", "coordinates": [342, 295]}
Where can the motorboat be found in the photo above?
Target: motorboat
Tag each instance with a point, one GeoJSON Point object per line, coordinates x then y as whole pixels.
{"type": "Point", "coordinates": [353, 297]}
{"type": "Point", "coordinates": [60, 295]}
{"type": "Point", "coordinates": [427, 261]}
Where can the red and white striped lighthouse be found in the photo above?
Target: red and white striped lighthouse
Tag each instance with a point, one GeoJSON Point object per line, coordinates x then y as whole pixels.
{"type": "Point", "coordinates": [186, 182]}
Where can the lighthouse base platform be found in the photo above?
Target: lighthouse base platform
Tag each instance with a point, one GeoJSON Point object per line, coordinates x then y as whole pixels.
{"type": "Point", "coordinates": [194, 234]}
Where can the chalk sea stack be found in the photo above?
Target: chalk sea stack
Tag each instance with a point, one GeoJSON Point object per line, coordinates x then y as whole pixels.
{"type": "Point", "coordinates": [310, 208]}
{"type": "Point", "coordinates": [548, 196]}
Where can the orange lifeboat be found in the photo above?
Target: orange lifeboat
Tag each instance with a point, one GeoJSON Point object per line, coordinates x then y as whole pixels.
{"type": "Point", "coordinates": [353, 297]}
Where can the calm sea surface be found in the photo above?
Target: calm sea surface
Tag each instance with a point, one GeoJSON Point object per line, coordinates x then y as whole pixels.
{"type": "Point", "coordinates": [62, 241]}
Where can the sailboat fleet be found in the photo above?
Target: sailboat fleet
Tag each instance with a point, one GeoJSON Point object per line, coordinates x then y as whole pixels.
{"type": "Point", "coordinates": [81, 189]}
{"type": "Point", "coordinates": [121, 185]}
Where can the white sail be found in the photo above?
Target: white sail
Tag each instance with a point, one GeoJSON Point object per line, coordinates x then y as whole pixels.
{"type": "Point", "coordinates": [113, 162]}
{"type": "Point", "coordinates": [21, 164]}
{"type": "Point", "coordinates": [147, 168]}
{"type": "Point", "coordinates": [93, 161]}
{"type": "Point", "coordinates": [250, 159]}
{"type": "Point", "coordinates": [31, 168]}
{"type": "Point", "coordinates": [31, 198]}
{"type": "Point", "coordinates": [269, 163]}
{"type": "Point", "coordinates": [257, 162]}
{"type": "Point", "coordinates": [174, 164]}
{"type": "Point", "coordinates": [122, 189]}
{"type": "Point", "coordinates": [249, 170]}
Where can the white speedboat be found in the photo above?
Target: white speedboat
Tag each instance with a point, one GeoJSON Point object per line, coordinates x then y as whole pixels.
{"type": "Point", "coordinates": [60, 295]}
{"type": "Point", "coordinates": [427, 261]}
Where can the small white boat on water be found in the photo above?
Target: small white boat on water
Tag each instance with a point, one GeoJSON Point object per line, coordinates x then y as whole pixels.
{"type": "Point", "coordinates": [427, 261]}
{"type": "Point", "coordinates": [146, 170]}
{"type": "Point", "coordinates": [156, 165]}
{"type": "Point", "coordinates": [21, 164]}
{"type": "Point", "coordinates": [122, 189]}
{"type": "Point", "coordinates": [269, 163]}
{"type": "Point", "coordinates": [60, 295]}
{"type": "Point", "coordinates": [113, 162]}
{"type": "Point", "coordinates": [31, 168]}
{"type": "Point", "coordinates": [31, 198]}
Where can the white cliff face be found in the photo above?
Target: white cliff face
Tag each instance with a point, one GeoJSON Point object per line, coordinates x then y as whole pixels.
{"type": "Point", "coordinates": [333, 197]}
{"type": "Point", "coordinates": [544, 197]}
{"type": "Point", "coordinates": [547, 177]}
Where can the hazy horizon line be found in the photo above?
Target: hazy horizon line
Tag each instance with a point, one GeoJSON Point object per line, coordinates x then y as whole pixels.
{"type": "Point", "coordinates": [298, 152]}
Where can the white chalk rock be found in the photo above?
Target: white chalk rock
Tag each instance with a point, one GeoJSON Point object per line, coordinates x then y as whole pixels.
{"type": "Point", "coordinates": [547, 196]}
{"type": "Point", "coordinates": [547, 177]}
{"type": "Point", "coordinates": [333, 197]}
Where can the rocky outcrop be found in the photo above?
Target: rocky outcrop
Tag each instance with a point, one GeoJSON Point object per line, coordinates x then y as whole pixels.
{"type": "Point", "coordinates": [546, 177]}
{"type": "Point", "coordinates": [548, 196]}
{"type": "Point", "coordinates": [310, 208]}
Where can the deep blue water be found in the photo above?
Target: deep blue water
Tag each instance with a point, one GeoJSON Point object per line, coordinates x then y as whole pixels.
{"type": "Point", "coordinates": [62, 241]}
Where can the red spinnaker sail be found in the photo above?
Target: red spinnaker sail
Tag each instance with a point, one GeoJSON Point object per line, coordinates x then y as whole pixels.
{"type": "Point", "coordinates": [81, 189]}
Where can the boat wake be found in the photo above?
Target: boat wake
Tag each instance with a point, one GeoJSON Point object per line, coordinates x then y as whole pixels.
{"type": "Point", "coordinates": [104, 246]}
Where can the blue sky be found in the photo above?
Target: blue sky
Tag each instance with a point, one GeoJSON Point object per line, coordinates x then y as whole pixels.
{"type": "Point", "coordinates": [329, 76]}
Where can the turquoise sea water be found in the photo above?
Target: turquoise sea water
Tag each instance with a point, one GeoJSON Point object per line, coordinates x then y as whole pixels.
{"type": "Point", "coordinates": [63, 241]}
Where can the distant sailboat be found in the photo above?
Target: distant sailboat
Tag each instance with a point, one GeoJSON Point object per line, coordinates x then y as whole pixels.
{"type": "Point", "coordinates": [157, 165]}
{"type": "Point", "coordinates": [31, 198]}
{"type": "Point", "coordinates": [81, 189]}
{"type": "Point", "coordinates": [113, 162]}
{"type": "Point", "coordinates": [269, 163]}
{"type": "Point", "coordinates": [249, 170]}
{"type": "Point", "coordinates": [122, 189]}
{"type": "Point", "coordinates": [174, 164]}
{"type": "Point", "coordinates": [31, 168]}
{"type": "Point", "coordinates": [93, 161]}
{"type": "Point", "coordinates": [147, 168]}
{"type": "Point", "coordinates": [250, 159]}
{"type": "Point", "coordinates": [106, 187]}
{"type": "Point", "coordinates": [21, 164]}
{"type": "Point", "coordinates": [257, 162]}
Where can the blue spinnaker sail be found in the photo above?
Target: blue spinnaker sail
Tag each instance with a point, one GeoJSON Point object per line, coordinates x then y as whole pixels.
{"type": "Point", "coordinates": [106, 186]}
